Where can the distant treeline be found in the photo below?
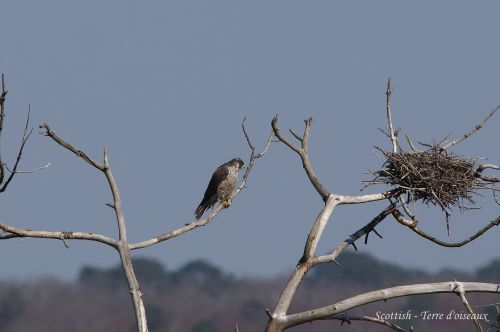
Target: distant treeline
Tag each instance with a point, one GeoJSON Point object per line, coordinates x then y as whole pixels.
{"type": "Point", "coordinates": [200, 297]}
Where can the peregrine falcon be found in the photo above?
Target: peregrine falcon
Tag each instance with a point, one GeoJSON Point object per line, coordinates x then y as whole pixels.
{"type": "Point", "coordinates": [221, 186]}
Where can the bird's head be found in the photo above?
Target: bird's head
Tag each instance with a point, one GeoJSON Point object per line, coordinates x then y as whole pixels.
{"type": "Point", "coordinates": [236, 162]}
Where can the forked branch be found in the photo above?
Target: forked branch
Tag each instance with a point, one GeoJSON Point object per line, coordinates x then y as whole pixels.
{"type": "Point", "coordinates": [351, 239]}
{"type": "Point", "coordinates": [198, 223]}
{"type": "Point", "coordinates": [461, 292]}
{"type": "Point", "coordinates": [26, 135]}
{"type": "Point", "coordinates": [309, 259]}
{"type": "Point", "coordinates": [452, 287]}
{"type": "Point", "coordinates": [122, 242]}
{"type": "Point", "coordinates": [302, 152]}
{"type": "Point", "coordinates": [279, 320]}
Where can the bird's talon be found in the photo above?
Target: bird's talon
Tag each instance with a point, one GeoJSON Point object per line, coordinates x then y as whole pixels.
{"type": "Point", "coordinates": [226, 203]}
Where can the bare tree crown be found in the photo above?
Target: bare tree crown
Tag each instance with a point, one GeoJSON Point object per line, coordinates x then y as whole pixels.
{"type": "Point", "coordinates": [433, 175]}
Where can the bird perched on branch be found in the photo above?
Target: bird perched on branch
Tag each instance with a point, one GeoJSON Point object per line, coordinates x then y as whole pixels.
{"type": "Point", "coordinates": [221, 186]}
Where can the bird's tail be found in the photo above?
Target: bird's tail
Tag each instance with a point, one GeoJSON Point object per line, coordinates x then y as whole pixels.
{"type": "Point", "coordinates": [200, 210]}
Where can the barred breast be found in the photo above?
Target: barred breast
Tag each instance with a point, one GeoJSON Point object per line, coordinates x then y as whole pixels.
{"type": "Point", "coordinates": [225, 190]}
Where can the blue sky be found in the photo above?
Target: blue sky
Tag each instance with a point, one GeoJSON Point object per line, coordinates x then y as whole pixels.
{"type": "Point", "coordinates": [164, 87]}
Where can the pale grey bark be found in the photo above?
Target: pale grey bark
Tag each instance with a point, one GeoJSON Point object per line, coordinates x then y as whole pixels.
{"type": "Point", "coordinates": [452, 287]}
{"type": "Point", "coordinates": [121, 244]}
{"type": "Point", "coordinates": [279, 319]}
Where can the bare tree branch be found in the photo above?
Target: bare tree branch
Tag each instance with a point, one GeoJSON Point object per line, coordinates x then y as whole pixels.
{"type": "Point", "coordinates": [490, 179]}
{"type": "Point", "coordinates": [364, 231]}
{"type": "Point", "coordinates": [398, 216]}
{"type": "Point", "coordinates": [318, 228]}
{"type": "Point", "coordinates": [122, 244]}
{"type": "Point", "coordinates": [366, 198]}
{"type": "Point", "coordinates": [26, 136]}
{"type": "Point", "coordinates": [400, 219]}
{"type": "Point", "coordinates": [49, 133]}
{"type": "Point", "coordinates": [410, 143]}
{"type": "Point", "coordinates": [394, 142]}
{"type": "Point", "coordinates": [57, 235]}
{"type": "Point", "coordinates": [309, 260]}
{"type": "Point", "coordinates": [7, 236]}
{"type": "Point", "coordinates": [181, 230]}
{"type": "Point", "coordinates": [346, 318]}
{"type": "Point", "coordinates": [385, 294]}
{"type": "Point", "coordinates": [198, 223]}
{"type": "Point", "coordinates": [461, 292]}
{"type": "Point", "coordinates": [392, 136]}
{"type": "Point", "coordinates": [297, 136]}
{"type": "Point", "coordinates": [482, 167]}
{"type": "Point", "coordinates": [274, 125]}
{"type": "Point", "coordinates": [302, 152]}
{"type": "Point", "coordinates": [472, 131]}
{"type": "Point", "coordinates": [305, 263]}
{"type": "Point", "coordinates": [124, 251]}
{"type": "Point", "coordinates": [279, 320]}
{"type": "Point", "coordinates": [408, 211]}
{"type": "Point", "coordinates": [28, 171]}
{"type": "Point", "coordinates": [2, 116]}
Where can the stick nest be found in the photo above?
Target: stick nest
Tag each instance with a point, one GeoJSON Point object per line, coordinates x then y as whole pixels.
{"type": "Point", "coordinates": [431, 176]}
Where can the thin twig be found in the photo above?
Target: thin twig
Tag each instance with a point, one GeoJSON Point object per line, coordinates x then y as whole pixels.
{"type": "Point", "coordinates": [410, 143]}
{"type": "Point", "coordinates": [246, 135]}
{"type": "Point", "coordinates": [29, 171]}
{"type": "Point", "coordinates": [268, 144]}
{"type": "Point", "coordinates": [49, 133]}
{"type": "Point", "coordinates": [388, 94]}
{"type": "Point", "coordinates": [7, 236]}
{"type": "Point", "coordinates": [26, 136]}
{"type": "Point", "coordinates": [345, 318]}
{"type": "Point", "coordinates": [395, 146]}
{"type": "Point", "coordinates": [297, 136]}
{"type": "Point", "coordinates": [199, 223]}
{"type": "Point", "coordinates": [283, 139]}
{"type": "Point", "coordinates": [2, 116]}
{"type": "Point", "coordinates": [472, 131]}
